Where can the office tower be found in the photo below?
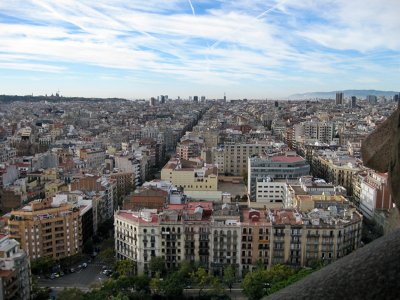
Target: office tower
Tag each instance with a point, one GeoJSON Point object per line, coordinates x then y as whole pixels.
{"type": "Point", "coordinates": [339, 98]}
{"type": "Point", "coordinates": [372, 99]}
{"type": "Point", "coordinates": [353, 102]}
{"type": "Point", "coordinates": [196, 98]}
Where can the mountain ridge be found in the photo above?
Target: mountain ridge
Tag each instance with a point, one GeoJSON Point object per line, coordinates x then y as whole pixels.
{"type": "Point", "coordinates": [346, 93]}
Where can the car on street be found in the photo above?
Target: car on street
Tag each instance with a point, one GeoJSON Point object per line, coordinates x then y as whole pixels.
{"type": "Point", "coordinates": [84, 265]}
{"type": "Point", "coordinates": [107, 272]}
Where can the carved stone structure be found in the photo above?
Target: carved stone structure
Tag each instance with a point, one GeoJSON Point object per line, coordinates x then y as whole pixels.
{"type": "Point", "coordinates": [381, 152]}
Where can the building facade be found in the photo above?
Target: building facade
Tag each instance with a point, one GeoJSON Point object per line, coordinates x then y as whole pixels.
{"type": "Point", "coordinates": [15, 275]}
{"type": "Point", "coordinates": [265, 169]}
{"type": "Point", "coordinates": [217, 235]}
{"type": "Point", "coordinates": [44, 228]}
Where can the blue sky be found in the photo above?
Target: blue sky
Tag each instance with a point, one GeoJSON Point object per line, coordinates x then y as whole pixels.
{"type": "Point", "coordinates": [246, 48]}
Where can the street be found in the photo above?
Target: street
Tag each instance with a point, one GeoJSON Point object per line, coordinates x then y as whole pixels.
{"type": "Point", "coordinates": [235, 294]}
{"type": "Point", "coordinates": [82, 279]}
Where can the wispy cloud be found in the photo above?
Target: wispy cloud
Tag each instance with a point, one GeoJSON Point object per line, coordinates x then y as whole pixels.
{"type": "Point", "coordinates": [227, 43]}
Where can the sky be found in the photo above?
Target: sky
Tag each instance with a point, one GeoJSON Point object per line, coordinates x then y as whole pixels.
{"type": "Point", "coordinates": [246, 48]}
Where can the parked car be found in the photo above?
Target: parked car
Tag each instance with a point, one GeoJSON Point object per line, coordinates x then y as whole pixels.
{"type": "Point", "coordinates": [72, 270]}
{"type": "Point", "coordinates": [84, 265]}
{"type": "Point", "coordinates": [52, 276]}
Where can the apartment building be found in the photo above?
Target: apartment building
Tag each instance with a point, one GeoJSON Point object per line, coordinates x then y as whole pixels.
{"type": "Point", "coordinates": [199, 180]}
{"type": "Point", "coordinates": [217, 235]}
{"type": "Point", "coordinates": [236, 156]}
{"type": "Point", "coordinates": [104, 190]}
{"type": "Point", "coordinates": [47, 228]}
{"type": "Point", "coordinates": [189, 148]}
{"type": "Point", "coordinates": [137, 237]}
{"type": "Point", "coordinates": [93, 158]}
{"type": "Point", "coordinates": [124, 181]}
{"type": "Point", "coordinates": [146, 197]}
{"type": "Point", "coordinates": [15, 275]}
{"type": "Point", "coordinates": [335, 167]}
{"type": "Point", "coordinates": [225, 239]}
{"type": "Point", "coordinates": [316, 131]}
{"type": "Point", "coordinates": [375, 194]}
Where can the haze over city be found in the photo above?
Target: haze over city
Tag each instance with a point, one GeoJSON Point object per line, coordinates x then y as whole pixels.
{"type": "Point", "coordinates": [249, 49]}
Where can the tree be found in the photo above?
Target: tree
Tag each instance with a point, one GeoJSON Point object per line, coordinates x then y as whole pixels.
{"type": "Point", "coordinates": [42, 265]}
{"type": "Point", "coordinates": [201, 278]}
{"type": "Point", "coordinates": [142, 283]}
{"type": "Point", "coordinates": [229, 276]}
{"type": "Point", "coordinates": [254, 284]}
{"type": "Point", "coordinates": [157, 264]}
{"type": "Point", "coordinates": [217, 287]}
{"type": "Point", "coordinates": [278, 273]}
{"type": "Point", "coordinates": [172, 287]}
{"type": "Point", "coordinates": [71, 293]}
{"type": "Point", "coordinates": [155, 284]}
{"type": "Point", "coordinates": [107, 256]}
{"type": "Point", "coordinates": [124, 267]}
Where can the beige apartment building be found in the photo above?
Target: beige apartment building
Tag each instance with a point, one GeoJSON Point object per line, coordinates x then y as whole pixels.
{"type": "Point", "coordinates": [199, 180]}
{"type": "Point", "coordinates": [217, 235]}
{"type": "Point", "coordinates": [233, 158]}
{"type": "Point", "coordinates": [44, 228]}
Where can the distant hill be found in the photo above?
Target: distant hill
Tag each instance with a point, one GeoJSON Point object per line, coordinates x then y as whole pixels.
{"type": "Point", "coordinates": [29, 98]}
{"type": "Point", "coordinates": [347, 93]}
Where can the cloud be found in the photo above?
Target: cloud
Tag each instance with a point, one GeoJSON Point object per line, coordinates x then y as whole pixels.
{"type": "Point", "coordinates": [224, 42]}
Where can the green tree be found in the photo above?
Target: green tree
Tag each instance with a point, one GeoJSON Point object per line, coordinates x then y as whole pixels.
{"type": "Point", "coordinates": [254, 284]}
{"type": "Point", "coordinates": [278, 273]}
{"type": "Point", "coordinates": [70, 293]}
{"type": "Point", "coordinates": [172, 287]}
{"type": "Point", "coordinates": [217, 288]}
{"type": "Point", "coordinates": [157, 264]}
{"type": "Point", "coordinates": [155, 284]}
{"type": "Point", "coordinates": [124, 267]}
{"type": "Point", "coordinates": [142, 283]}
{"type": "Point", "coordinates": [229, 276]}
{"type": "Point", "coordinates": [107, 256]}
{"type": "Point", "coordinates": [42, 265]}
{"type": "Point", "coordinates": [201, 278]}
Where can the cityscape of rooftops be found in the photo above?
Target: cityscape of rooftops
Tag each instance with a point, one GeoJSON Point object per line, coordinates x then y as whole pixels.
{"type": "Point", "coordinates": [198, 149]}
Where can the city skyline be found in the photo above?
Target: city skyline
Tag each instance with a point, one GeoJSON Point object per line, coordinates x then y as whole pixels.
{"type": "Point", "coordinates": [248, 49]}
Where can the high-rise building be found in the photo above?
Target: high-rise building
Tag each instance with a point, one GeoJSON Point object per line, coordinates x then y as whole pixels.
{"type": "Point", "coordinates": [45, 228]}
{"type": "Point", "coordinates": [196, 98]}
{"type": "Point", "coordinates": [372, 99]}
{"type": "Point", "coordinates": [353, 102]}
{"type": "Point", "coordinates": [153, 101]}
{"type": "Point", "coordinates": [396, 98]}
{"type": "Point", "coordinates": [339, 98]}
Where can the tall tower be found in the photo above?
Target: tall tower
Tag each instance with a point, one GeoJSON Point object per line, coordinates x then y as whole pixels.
{"type": "Point", "coordinates": [353, 102]}
{"type": "Point", "coordinates": [224, 97]}
{"type": "Point", "coordinates": [339, 98]}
